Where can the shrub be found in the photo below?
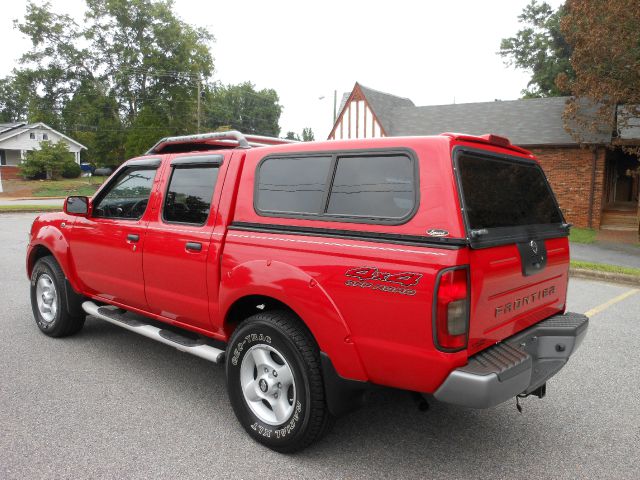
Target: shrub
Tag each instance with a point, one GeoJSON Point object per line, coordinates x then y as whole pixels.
{"type": "Point", "coordinates": [48, 161]}
{"type": "Point", "coordinates": [71, 169]}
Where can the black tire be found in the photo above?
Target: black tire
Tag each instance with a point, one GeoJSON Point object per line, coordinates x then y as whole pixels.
{"type": "Point", "coordinates": [69, 317]}
{"type": "Point", "coordinates": [284, 333]}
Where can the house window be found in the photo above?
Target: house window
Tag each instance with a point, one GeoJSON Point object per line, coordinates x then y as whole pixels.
{"type": "Point", "coordinates": [45, 136]}
{"type": "Point", "coordinates": [32, 136]}
{"type": "Point", "coordinates": [3, 158]}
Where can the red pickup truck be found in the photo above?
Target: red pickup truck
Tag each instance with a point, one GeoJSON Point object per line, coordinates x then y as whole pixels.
{"type": "Point", "coordinates": [437, 265]}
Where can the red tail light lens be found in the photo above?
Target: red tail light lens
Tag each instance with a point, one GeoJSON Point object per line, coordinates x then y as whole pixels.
{"type": "Point", "coordinates": [451, 309]}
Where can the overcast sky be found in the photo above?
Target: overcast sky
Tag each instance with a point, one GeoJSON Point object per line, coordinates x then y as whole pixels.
{"type": "Point", "coordinates": [433, 52]}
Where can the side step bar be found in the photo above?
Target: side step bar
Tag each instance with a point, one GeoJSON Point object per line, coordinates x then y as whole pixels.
{"type": "Point", "coordinates": [168, 337]}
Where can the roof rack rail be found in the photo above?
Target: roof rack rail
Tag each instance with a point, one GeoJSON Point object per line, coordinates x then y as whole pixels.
{"type": "Point", "coordinates": [229, 137]}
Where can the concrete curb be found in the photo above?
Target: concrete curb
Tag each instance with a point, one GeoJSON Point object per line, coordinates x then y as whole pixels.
{"type": "Point", "coordinates": [29, 210]}
{"type": "Point", "coordinates": [26, 199]}
{"type": "Point", "coordinates": [623, 278]}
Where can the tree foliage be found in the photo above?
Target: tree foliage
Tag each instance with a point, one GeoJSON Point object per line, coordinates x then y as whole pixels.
{"type": "Point", "coordinates": [243, 108]}
{"type": "Point", "coordinates": [50, 161]}
{"type": "Point", "coordinates": [605, 39]}
{"type": "Point", "coordinates": [128, 75]}
{"type": "Point", "coordinates": [540, 47]}
{"type": "Point", "coordinates": [307, 135]}
{"type": "Point", "coordinates": [292, 136]}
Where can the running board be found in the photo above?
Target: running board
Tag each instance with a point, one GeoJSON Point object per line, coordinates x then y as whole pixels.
{"type": "Point", "coordinates": [168, 337]}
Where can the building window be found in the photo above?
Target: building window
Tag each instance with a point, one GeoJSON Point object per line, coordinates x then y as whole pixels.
{"type": "Point", "coordinates": [45, 136]}
{"type": "Point", "coordinates": [3, 158]}
{"type": "Point", "coordinates": [32, 136]}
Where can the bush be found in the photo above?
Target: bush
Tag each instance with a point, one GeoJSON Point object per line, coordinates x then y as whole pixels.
{"type": "Point", "coordinates": [33, 169]}
{"type": "Point", "coordinates": [46, 162]}
{"type": "Point", "coordinates": [71, 170]}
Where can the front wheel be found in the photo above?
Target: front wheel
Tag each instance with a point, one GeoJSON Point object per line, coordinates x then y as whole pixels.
{"type": "Point", "coordinates": [275, 383]}
{"type": "Point", "coordinates": [49, 300]}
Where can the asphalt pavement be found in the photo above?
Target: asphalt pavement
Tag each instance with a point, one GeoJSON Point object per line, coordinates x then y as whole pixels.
{"type": "Point", "coordinates": [107, 403]}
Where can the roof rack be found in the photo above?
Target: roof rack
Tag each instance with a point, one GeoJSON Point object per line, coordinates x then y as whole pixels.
{"type": "Point", "coordinates": [229, 139]}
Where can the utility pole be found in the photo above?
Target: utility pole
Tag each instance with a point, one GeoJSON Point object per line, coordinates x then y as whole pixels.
{"type": "Point", "coordinates": [199, 102]}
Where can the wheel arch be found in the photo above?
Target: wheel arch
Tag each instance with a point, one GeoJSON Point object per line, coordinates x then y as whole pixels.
{"type": "Point", "coordinates": [277, 285]}
{"type": "Point", "coordinates": [56, 246]}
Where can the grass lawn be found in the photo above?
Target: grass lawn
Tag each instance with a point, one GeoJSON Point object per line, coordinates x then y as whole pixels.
{"type": "Point", "coordinates": [603, 267]}
{"type": "Point", "coordinates": [30, 208]}
{"type": "Point", "coordinates": [582, 235]}
{"type": "Point", "coordinates": [51, 188]}
{"type": "Point", "coordinates": [69, 186]}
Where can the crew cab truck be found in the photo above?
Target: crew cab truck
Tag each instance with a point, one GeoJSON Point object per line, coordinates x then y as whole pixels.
{"type": "Point", "coordinates": [437, 265]}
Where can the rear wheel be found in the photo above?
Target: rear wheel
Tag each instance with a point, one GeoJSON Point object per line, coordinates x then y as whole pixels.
{"type": "Point", "coordinates": [50, 300]}
{"type": "Point", "coordinates": [275, 383]}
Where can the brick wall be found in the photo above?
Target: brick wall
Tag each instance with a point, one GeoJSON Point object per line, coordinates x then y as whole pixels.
{"type": "Point", "coordinates": [9, 172]}
{"type": "Point", "coordinates": [569, 172]}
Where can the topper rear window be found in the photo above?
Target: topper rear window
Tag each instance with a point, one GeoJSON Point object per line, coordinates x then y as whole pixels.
{"type": "Point", "coordinates": [504, 197]}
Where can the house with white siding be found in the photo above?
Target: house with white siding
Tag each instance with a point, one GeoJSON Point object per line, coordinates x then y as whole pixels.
{"type": "Point", "coordinates": [16, 139]}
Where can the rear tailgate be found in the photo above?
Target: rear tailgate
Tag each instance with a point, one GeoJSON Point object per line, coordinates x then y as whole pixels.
{"type": "Point", "coordinates": [519, 258]}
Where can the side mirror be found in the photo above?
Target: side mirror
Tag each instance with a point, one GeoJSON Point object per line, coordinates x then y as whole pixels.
{"type": "Point", "coordinates": [77, 206]}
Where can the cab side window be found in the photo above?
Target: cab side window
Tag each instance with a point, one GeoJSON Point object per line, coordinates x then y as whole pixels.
{"type": "Point", "coordinates": [127, 196]}
{"type": "Point", "coordinates": [188, 197]}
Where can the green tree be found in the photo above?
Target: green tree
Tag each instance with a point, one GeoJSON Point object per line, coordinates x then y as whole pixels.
{"type": "Point", "coordinates": [540, 47]}
{"type": "Point", "coordinates": [15, 93]}
{"type": "Point", "coordinates": [54, 66]}
{"type": "Point", "coordinates": [307, 135]}
{"type": "Point", "coordinates": [292, 136]}
{"type": "Point", "coordinates": [124, 78]}
{"type": "Point", "coordinates": [243, 108]}
{"type": "Point", "coordinates": [92, 117]}
{"type": "Point", "coordinates": [48, 161]}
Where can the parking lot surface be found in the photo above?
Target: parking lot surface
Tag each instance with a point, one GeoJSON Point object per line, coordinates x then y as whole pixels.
{"type": "Point", "coordinates": [107, 403]}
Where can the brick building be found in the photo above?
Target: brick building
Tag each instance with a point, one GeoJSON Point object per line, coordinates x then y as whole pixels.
{"type": "Point", "coordinates": [596, 183]}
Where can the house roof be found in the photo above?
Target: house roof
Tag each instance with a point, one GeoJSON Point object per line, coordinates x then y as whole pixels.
{"type": "Point", "coordinates": [536, 121]}
{"type": "Point", "coordinates": [17, 129]}
{"type": "Point", "coordinates": [5, 127]}
{"type": "Point", "coordinates": [345, 97]}
{"type": "Point", "coordinates": [384, 104]}
{"type": "Point", "coordinates": [527, 122]}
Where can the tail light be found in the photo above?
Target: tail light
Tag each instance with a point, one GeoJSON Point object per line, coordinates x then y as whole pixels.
{"type": "Point", "coordinates": [451, 309]}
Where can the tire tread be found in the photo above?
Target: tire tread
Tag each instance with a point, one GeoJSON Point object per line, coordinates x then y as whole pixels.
{"type": "Point", "coordinates": [69, 324]}
{"type": "Point", "coordinates": [320, 419]}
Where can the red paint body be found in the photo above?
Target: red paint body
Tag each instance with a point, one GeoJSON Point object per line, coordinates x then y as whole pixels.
{"type": "Point", "coordinates": [381, 337]}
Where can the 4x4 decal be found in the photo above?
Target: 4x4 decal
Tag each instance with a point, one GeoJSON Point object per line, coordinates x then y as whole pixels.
{"type": "Point", "coordinates": [367, 275]}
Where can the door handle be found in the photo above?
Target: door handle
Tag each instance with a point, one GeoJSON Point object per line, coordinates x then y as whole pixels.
{"type": "Point", "coordinates": [193, 246]}
{"type": "Point", "coordinates": [133, 237]}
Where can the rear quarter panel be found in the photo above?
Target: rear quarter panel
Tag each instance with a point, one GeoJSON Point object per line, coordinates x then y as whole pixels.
{"type": "Point", "coordinates": [372, 329]}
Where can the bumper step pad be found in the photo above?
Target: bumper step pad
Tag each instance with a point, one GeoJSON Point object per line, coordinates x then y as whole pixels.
{"type": "Point", "coordinates": [519, 364]}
